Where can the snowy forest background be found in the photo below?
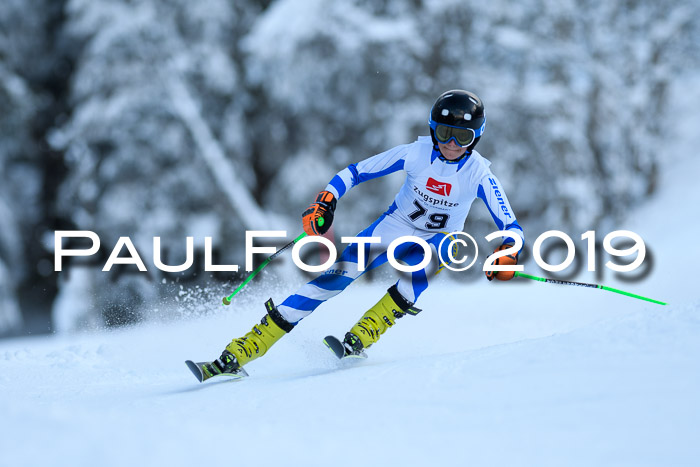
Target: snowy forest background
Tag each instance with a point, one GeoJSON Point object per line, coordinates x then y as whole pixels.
{"type": "Point", "coordinates": [171, 118]}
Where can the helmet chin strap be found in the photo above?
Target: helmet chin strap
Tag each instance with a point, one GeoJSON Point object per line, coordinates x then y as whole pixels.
{"type": "Point", "coordinates": [466, 154]}
{"type": "Point", "coordinates": [438, 155]}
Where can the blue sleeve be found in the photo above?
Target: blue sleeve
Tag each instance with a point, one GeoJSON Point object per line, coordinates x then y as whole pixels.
{"type": "Point", "coordinates": [495, 199]}
{"type": "Point", "coordinates": [382, 164]}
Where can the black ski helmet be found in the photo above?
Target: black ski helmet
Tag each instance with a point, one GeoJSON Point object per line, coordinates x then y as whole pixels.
{"type": "Point", "coordinates": [458, 109]}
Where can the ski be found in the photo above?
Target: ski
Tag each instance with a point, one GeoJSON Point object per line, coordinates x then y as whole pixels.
{"type": "Point", "coordinates": [203, 371]}
{"type": "Point", "coordinates": [339, 349]}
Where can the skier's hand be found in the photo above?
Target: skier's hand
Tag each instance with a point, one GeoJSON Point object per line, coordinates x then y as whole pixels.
{"type": "Point", "coordinates": [318, 217]}
{"type": "Point", "coordinates": [508, 260]}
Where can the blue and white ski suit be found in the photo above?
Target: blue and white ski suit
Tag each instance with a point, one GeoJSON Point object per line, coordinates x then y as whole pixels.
{"type": "Point", "coordinates": [433, 201]}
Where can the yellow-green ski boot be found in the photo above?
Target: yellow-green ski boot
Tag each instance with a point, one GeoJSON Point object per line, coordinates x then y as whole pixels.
{"type": "Point", "coordinates": [372, 325]}
{"type": "Point", "coordinates": [243, 350]}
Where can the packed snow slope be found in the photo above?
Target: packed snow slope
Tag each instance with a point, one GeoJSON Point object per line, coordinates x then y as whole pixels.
{"type": "Point", "coordinates": [517, 374]}
{"type": "Point", "coordinates": [568, 377]}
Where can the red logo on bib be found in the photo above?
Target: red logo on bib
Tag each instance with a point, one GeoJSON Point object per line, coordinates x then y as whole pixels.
{"type": "Point", "coordinates": [440, 188]}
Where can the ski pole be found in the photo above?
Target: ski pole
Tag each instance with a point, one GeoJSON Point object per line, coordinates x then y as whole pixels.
{"type": "Point", "coordinates": [227, 300]}
{"type": "Point", "coordinates": [584, 284]}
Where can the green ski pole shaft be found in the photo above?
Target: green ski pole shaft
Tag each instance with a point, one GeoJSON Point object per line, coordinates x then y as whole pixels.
{"type": "Point", "coordinates": [584, 284]}
{"type": "Point", "coordinates": [227, 300]}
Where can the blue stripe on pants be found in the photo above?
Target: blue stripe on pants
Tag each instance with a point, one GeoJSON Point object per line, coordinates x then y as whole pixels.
{"type": "Point", "coordinates": [345, 270]}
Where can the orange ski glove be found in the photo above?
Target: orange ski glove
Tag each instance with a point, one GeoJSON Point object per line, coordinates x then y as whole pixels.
{"type": "Point", "coordinates": [508, 260]}
{"type": "Point", "coordinates": [318, 217]}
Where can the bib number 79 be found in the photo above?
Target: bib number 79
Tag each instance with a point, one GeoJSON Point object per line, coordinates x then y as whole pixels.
{"type": "Point", "coordinates": [437, 220]}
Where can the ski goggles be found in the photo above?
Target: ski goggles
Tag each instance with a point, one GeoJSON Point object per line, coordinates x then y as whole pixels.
{"type": "Point", "coordinates": [463, 137]}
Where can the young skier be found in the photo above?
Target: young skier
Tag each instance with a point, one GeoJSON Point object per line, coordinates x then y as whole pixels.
{"type": "Point", "coordinates": [444, 175]}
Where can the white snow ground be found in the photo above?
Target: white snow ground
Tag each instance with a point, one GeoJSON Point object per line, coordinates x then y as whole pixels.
{"type": "Point", "coordinates": [569, 376]}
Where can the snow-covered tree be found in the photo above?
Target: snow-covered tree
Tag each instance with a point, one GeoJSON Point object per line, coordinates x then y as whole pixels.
{"type": "Point", "coordinates": [154, 145]}
{"type": "Point", "coordinates": [15, 171]}
{"type": "Point", "coordinates": [25, 101]}
{"type": "Point", "coordinates": [582, 118]}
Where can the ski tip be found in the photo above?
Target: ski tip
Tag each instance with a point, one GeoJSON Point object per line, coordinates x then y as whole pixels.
{"type": "Point", "coordinates": [335, 345]}
{"type": "Point", "coordinates": [338, 349]}
{"type": "Point", "coordinates": [195, 370]}
{"type": "Point", "coordinates": [198, 369]}
{"type": "Point", "coordinates": [331, 341]}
